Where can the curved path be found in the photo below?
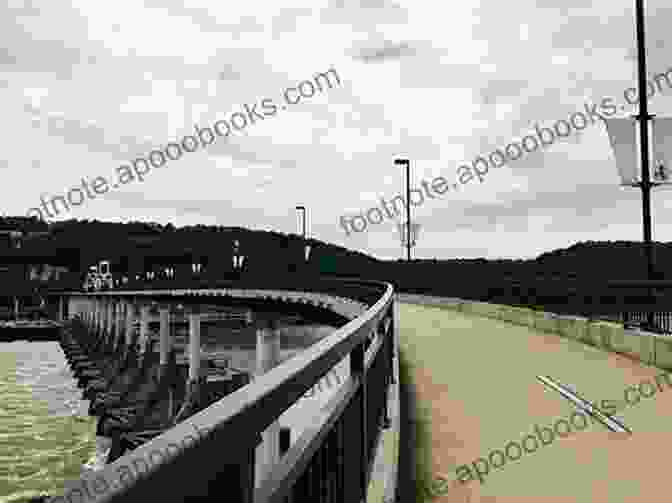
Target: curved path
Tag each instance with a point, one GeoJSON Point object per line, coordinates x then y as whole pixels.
{"type": "Point", "coordinates": [476, 381]}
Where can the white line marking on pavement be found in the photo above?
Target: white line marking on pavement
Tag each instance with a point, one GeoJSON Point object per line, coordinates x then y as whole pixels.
{"type": "Point", "coordinates": [585, 405]}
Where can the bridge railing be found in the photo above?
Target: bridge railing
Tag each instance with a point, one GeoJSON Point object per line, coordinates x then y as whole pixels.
{"type": "Point", "coordinates": [330, 462]}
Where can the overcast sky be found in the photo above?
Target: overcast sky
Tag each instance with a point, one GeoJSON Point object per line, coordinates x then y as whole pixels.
{"type": "Point", "coordinates": [88, 85]}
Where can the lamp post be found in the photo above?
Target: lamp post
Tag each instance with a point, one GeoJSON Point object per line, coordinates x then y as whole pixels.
{"type": "Point", "coordinates": [643, 118]}
{"type": "Point", "coordinates": [302, 209]}
{"type": "Point", "coordinates": [306, 246]}
{"type": "Point", "coordinates": [407, 163]}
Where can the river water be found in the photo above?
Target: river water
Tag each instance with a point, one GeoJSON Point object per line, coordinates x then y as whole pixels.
{"type": "Point", "coordinates": [46, 436]}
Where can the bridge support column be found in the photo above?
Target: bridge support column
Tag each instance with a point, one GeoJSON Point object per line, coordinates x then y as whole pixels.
{"type": "Point", "coordinates": [194, 346]}
{"type": "Point", "coordinates": [109, 332]}
{"type": "Point", "coordinates": [268, 356]}
{"type": "Point", "coordinates": [113, 323]}
{"type": "Point", "coordinates": [99, 318]}
{"type": "Point", "coordinates": [72, 308]}
{"type": "Point", "coordinates": [103, 319]}
{"type": "Point", "coordinates": [97, 312]}
{"type": "Point", "coordinates": [130, 318]}
{"type": "Point", "coordinates": [94, 316]}
{"type": "Point", "coordinates": [192, 399]}
{"type": "Point", "coordinates": [165, 340]}
{"type": "Point", "coordinates": [61, 307]}
{"type": "Point", "coordinates": [119, 322]}
{"type": "Point", "coordinates": [93, 321]}
{"type": "Point", "coordinates": [144, 328]}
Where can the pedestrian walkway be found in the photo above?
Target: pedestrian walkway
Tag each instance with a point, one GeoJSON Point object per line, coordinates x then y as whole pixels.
{"type": "Point", "coordinates": [476, 381]}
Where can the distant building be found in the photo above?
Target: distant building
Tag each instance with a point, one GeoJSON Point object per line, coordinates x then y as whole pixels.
{"type": "Point", "coordinates": [24, 261]}
{"type": "Point", "coordinates": [15, 230]}
{"type": "Point", "coordinates": [46, 272]}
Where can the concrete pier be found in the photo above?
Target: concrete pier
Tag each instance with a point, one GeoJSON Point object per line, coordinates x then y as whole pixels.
{"type": "Point", "coordinates": [144, 328]}
{"type": "Point", "coordinates": [130, 318]}
{"type": "Point", "coordinates": [194, 346]}
{"type": "Point", "coordinates": [110, 323]}
{"type": "Point", "coordinates": [165, 341]}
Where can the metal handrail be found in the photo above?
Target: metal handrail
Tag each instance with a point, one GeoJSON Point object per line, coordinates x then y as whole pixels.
{"type": "Point", "coordinates": [234, 424]}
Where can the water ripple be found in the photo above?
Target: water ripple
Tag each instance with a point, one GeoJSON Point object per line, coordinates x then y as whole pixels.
{"type": "Point", "coordinates": [45, 435]}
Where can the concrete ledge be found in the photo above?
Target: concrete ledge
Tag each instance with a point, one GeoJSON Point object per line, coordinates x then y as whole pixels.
{"type": "Point", "coordinates": [594, 336]}
{"type": "Point", "coordinates": [572, 327]}
{"type": "Point", "coordinates": [481, 309]}
{"type": "Point", "coordinates": [633, 343]}
{"type": "Point", "coordinates": [521, 316]}
{"type": "Point", "coordinates": [662, 350]}
{"type": "Point", "coordinates": [384, 475]}
{"type": "Point", "coordinates": [546, 322]}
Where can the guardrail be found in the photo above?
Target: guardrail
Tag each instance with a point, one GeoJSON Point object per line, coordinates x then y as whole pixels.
{"type": "Point", "coordinates": [330, 462]}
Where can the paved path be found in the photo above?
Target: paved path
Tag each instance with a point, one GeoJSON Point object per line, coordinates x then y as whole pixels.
{"type": "Point", "coordinates": [476, 381]}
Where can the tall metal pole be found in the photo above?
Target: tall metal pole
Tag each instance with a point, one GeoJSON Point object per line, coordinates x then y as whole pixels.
{"type": "Point", "coordinates": [303, 214]}
{"type": "Point", "coordinates": [643, 117]}
{"type": "Point", "coordinates": [408, 210]}
{"type": "Point", "coordinates": [407, 163]}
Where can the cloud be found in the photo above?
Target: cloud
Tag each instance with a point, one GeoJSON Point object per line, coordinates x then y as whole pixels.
{"type": "Point", "coordinates": [388, 51]}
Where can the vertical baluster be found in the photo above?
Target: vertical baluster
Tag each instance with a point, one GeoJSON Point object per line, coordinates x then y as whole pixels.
{"type": "Point", "coordinates": [340, 459]}
{"type": "Point", "coordinates": [325, 474]}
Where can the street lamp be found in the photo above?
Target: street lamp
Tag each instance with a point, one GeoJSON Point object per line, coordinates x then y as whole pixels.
{"type": "Point", "coordinates": [302, 209]}
{"type": "Point", "coordinates": [643, 117]}
{"type": "Point", "coordinates": [407, 163]}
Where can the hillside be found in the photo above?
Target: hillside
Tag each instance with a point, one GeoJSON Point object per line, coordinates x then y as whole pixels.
{"type": "Point", "coordinates": [135, 246]}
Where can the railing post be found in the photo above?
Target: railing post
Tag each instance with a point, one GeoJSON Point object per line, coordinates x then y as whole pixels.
{"type": "Point", "coordinates": [268, 357]}
{"type": "Point", "coordinates": [285, 439]}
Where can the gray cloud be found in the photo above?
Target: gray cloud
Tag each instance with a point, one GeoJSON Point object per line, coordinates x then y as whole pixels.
{"type": "Point", "coordinates": [389, 51]}
{"type": "Point", "coordinates": [94, 137]}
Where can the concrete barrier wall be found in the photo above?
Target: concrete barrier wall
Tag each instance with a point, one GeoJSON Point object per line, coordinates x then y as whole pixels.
{"type": "Point", "coordinates": [649, 348]}
{"type": "Point", "coordinates": [662, 350]}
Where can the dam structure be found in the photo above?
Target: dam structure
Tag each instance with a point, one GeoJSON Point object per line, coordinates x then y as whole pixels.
{"type": "Point", "coordinates": [191, 425]}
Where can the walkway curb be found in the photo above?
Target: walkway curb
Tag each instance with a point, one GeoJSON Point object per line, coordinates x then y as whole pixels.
{"type": "Point", "coordinates": [383, 486]}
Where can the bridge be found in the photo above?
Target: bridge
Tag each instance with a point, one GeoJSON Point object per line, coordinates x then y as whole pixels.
{"type": "Point", "coordinates": [230, 450]}
{"type": "Point", "coordinates": [489, 379]}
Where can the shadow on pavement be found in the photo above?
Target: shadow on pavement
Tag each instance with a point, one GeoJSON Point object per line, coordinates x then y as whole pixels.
{"type": "Point", "coordinates": [414, 442]}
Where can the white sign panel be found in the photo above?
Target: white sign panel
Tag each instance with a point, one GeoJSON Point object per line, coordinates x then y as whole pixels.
{"type": "Point", "coordinates": [623, 138]}
{"type": "Point", "coordinates": [403, 232]}
{"type": "Point", "coordinates": [661, 162]}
